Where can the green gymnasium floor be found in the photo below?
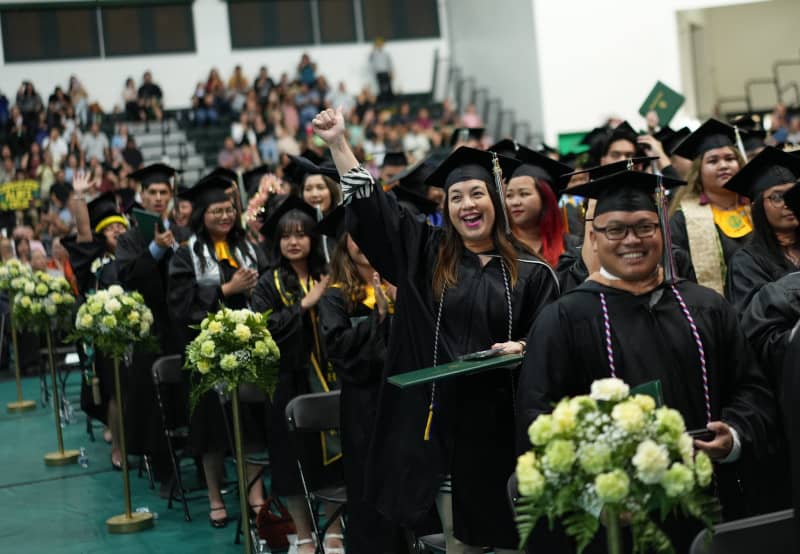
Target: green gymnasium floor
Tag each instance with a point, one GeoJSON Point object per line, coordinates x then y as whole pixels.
{"type": "Point", "coordinates": [64, 509]}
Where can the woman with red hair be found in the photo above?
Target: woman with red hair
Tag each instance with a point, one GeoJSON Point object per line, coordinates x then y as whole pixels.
{"type": "Point", "coordinates": [531, 198]}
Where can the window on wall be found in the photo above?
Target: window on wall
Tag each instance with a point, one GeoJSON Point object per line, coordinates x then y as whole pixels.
{"type": "Point", "coordinates": [149, 29]}
{"type": "Point", "coordinates": [400, 19]}
{"type": "Point", "coordinates": [270, 23]}
{"type": "Point", "coordinates": [337, 21]}
{"type": "Point", "coordinates": [48, 33]}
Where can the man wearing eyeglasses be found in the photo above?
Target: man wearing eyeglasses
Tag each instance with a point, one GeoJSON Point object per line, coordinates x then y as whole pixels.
{"type": "Point", "coordinates": [630, 321]}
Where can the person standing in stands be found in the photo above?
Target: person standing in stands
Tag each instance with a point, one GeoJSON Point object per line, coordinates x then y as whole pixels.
{"type": "Point", "coordinates": [380, 63]}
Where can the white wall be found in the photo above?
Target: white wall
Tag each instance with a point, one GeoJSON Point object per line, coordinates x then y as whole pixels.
{"type": "Point", "coordinates": [178, 74]}
{"type": "Point", "coordinates": [602, 58]}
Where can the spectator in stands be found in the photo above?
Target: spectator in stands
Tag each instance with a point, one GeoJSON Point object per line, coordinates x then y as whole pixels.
{"type": "Point", "coordinates": [53, 114]}
{"type": "Point", "coordinates": [132, 156]}
{"type": "Point", "coordinates": [95, 144]}
{"type": "Point", "coordinates": [17, 135]}
{"type": "Point", "coordinates": [69, 123]}
{"type": "Point", "coordinates": [340, 97]}
{"type": "Point", "coordinates": [323, 88]}
{"type": "Point", "coordinates": [6, 249]}
{"type": "Point", "coordinates": [307, 101]}
{"type": "Point", "coordinates": [29, 103]}
{"type": "Point", "coordinates": [229, 157]}
{"type": "Point", "coordinates": [4, 109]}
{"type": "Point", "coordinates": [403, 115]}
{"type": "Point", "coordinates": [76, 150]}
{"type": "Point", "coordinates": [216, 87]}
{"type": "Point", "coordinates": [364, 101]}
{"type": "Point", "coordinates": [424, 120]}
{"type": "Point", "coordinates": [291, 118]}
{"type": "Point", "coordinates": [59, 220]}
{"type": "Point", "coordinates": [71, 169]}
{"type": "Point", "coordinates": [130, 99]}
{"type": "Point", "coordinates": [263, 85]}
{"type": "Point", "coordinates": [59, 100]}
{"type": "Point", "coordinates": [120, 138]}
{"type": "Point", "coordinates": [38, 257]}
{"type": "Point", "coordinates": [470, 118]}
{"type": "Point", "coordinates": [307, 71]}
{"type": "Point", "coordinates": [242, 132]}
{"type": "Point", "coordinates": [79, 99]}
{"type": "Point", "coordinates": [32, 160]}
{"type": "Point", "coordinates": [793, 136]}
{"type": "Point", "coordinates": [266, 141]}
{"type": "Point", "coordinates": [355, 129]}
{"type": "Point", "coordinates": [449, 115]}
{"type": "Point", "coordinates": [8, 170]}
{"type": "Point", "coordinates": [22, 246]}
{"type": "Point", "coordinates": [416, 142]}
{"type": "Point", "coordinates": [374, 147]}
{"type": "Point", "coordinates": [45, 174]}
{"type": "Point", "coordinates": [56, 146]}
{"type": "Point", "coordinates": [205, 110]}
{"type": "Point", "coordinates": [238, 86]}
{"type": "Point", "coordinates": [380, 63]}
{"type": "Point", "coordinates": [251, 106]}
{"type": "Point", "coordinates": [150, 98]}
{"type": "Point", "coordinates": [42, 129]}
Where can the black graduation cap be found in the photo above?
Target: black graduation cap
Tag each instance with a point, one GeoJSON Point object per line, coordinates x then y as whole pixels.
{"type": "Point", "coordinates": [600, 171]}
{"type": "Point", "coordinates": [546, 149]}
{"type": "Point", "coordinates": [154, 173]}
{"type": "Point", "coordinates": [103, 211]}
{"type": "Point", "coordinates": [333, 225]}
{"type": "Point", "coordinates": [792, 199]}
{"type": "Point", "coordinates": [570, 159]}
{"type": "Point", "coordinates": [181, 190]}
{"type": "Point", "coordinates": [754, 139]}
{"type": "Point", "coordinates": [746, 122]}
{"type": "Point", "coordinates": [128, 201]}
{"type": "Point", "coordinates": [252, 178]}
{"type": "Point", "coordinates": [506, 147]}
{"type": "Point", "coordinates": [312, 156]}
{"type": "Point", "coordinates": [625, 190]}
{"type": "Point", "coordinates": [622, 131]}
{"type": "Point", "coordinates": [469, 163]}
{"type": "Point", "coordinates": [395, 159]}
{"type": "Point", "coordinates": [464, 134]}
{"type": "Point", "coordinates": [289, 203]}
{"type": "Point", "coordinates": [670, 138]}
{"type": "Point", "coordinates": [769, 168]}
{"type": "Point", "coordinates": [303, 167]}
{"type": "Point", "coordinates": [539, 166]}
{"type": "Point", "coordinates": [711, 134]}
{"type": "Point", "coordinates": [228, 174]}
{"type": "Point", "coordinates": [596, 136]}
{"type": "Point", "coordinates": [413, 177]}
{"type": "Point", "coordinates": [209, 190]}
{"type": "Point", "coordinates": [416, 198]}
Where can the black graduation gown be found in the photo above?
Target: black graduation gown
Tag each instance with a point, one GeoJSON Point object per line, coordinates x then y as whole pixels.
{"type": "Point", "coordinates": [180, 233]}
{"type": "Point", "coordinates": [572, 271]}
{"type": "Point", "coordinates": [472, 436]}
{"type": "Point", "coordinates": [139, 271]}
{"type": "Point", "coordinates": [89, 277]}
{"type": "Point", "coordinates": [747, 273]}
{"type": "Point", "coordinates": [652, 340]}
{"type": "Point", "coordinates": [293, 332]}
{"type": "Point", "coordinates": [188, 303]}
{"type": "Point", "coordinates": [680, 237]}
{"type": "Point", "coordinates": [355, 342]}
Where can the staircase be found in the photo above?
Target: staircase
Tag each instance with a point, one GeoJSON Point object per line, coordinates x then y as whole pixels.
{"type": "Point", "coordinates": [786, 91]}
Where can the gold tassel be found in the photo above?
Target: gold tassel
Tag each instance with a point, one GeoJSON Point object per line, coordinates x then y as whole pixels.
{"type": "Point", "coordinates": [428, 424]}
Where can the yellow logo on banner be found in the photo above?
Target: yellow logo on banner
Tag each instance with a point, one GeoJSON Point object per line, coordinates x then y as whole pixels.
{"type": "Point", "coordinates": [19, 195]}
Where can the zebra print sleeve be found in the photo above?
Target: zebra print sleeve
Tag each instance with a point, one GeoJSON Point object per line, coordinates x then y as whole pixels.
{"type": "Point", "coordinates": [356, 183]}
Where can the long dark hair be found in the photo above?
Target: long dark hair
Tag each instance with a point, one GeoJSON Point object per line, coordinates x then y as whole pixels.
{"type": "Point", "coordinates": [451, 249]}
{"type": "Point", "coordinates": [295, 220]}
{"type": "Point", "coordinates": [344, 274]}
{"type": "Point", "coordinates": [236, 236]}
{"type": "Point", "coordinates": [764, 245]}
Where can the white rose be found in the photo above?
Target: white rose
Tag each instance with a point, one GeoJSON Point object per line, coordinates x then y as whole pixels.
{"type": "Point", "coordinates": [112, 306]}
{"type": "Point", "coordinates": [115, 290]}
{"type": "Point", "coordinates": [29, 288]}
{"type": "Point", "coordinates": [651, 461]}
{"type": "Point", "coordinates": [609, 389]}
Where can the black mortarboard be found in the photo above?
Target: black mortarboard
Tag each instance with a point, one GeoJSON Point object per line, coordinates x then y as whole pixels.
{"type": "Point", "coordinates": [312, 156]}
{"type": "Point", "coordinates": [669, 138]}
{"type": "Point", "coordinates": [596, 136]}
{"type": "Point", "coordinates": [463, 134]}
{"type": "Point", "coordinates": [127, 198]}
{"type": "Point", "coordinates": [541, 167]}
{"type": "Point", "coordinates": [395, 159]}
{"type": "Point", "coordinates": [769, 168]}
{"type": "Point", "coordinates": [754, 139]}
{"type": "Point", "coordinates": [182, 189]}
{"type": "Point", "coordinates": [625, 190]}
{"type": "Point", "coordinates": [505, 147]}
{"type": "Point", "coordinates": [154, 173]}
{"type": "Point", "coordinates": [103, 211]}
{"type": "Point", "coordinates": [792, 199]}
{"type": "Point", "coordinates": [546, 149]}
{"type": "Point", "coordinates": [228, 174]}
{"type": "Point", "coordinates": [209, 190]}
{"type": "Point", "coordinates": [570, 160]}
{"type": "Point", "coordinates": [333, 225]}
{"type": "Point", "coordinates": [600, 171]}
{"type": "Point", "coordinates": [746, 122]}
{"type": "Point", "coordinates": [290, 202]}
{"type": "Point", "coordinates": [469, 163]}
{"type": "Point", "coordinates": [303, 167]}
{"type": "Point", "coordinates": [711, 134]}
{"type": "Point", "coordinates": [252, 178]}
{"type": "Point", "coordinates": [623, 131]}
{"type": "Point", "coordinates": [413, 177]}
{"type": "Point", "coordinates": [416, 198]}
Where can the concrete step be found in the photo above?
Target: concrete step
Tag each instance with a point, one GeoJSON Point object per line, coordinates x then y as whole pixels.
{"type": "Point", "coordinates": [193, 161]}
{"type": "Point", "coordinates": [173, 149]}
{"type": "Point", "coordinates": [141, 128]}
{"type": "Point", "coordinates": [155, 139]}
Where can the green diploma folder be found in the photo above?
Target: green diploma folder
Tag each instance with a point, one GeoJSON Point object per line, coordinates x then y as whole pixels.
{"type": "Point", "coordinates": [650, 388]}
{"type": "Point", "coordinates": [453, 369]}
{"type": "Point", "coordinates": [146, 223]}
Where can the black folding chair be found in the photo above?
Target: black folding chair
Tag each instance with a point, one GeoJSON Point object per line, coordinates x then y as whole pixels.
{"type": "Point", "coordinates": [168, 380]}
{"type": "Point", "coordinates": [316, 413]}
{"type": "Point", "coordinates": [773, 533]}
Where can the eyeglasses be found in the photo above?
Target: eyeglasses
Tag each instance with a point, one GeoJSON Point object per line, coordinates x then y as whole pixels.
{"type": "Point", "coordinates": [776, 199]}
{"type": "Point", "coordinates": [222, 212]}
{"type": "Point", "coordinates": [618, 231]}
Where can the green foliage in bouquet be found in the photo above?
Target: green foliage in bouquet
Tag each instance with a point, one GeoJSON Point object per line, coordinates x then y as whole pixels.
{"type": "Point", "coordinates": [13, 276]}
{"type": "Point", "coordinates": [232, 348]}
{"type": "Point", "coordinates": [611, 453]}
{"type": "Point", "coordinates": [114, 320]}
{"type": "Point", "coordinates": [41, 300]}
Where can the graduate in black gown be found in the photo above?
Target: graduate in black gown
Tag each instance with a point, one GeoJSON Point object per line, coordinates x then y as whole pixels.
{"type": "Point", "coordinates": [143, 257]}
{"type": "Point", "coordinates": [291, 289]}
{"type": "Point", "coordinates": [216, 267]}
{"type": "Point", "coordinates": [355, 314]}
{"type": "Point", "coordinates": [773, 249]}
{"type": "Point", "coordinates": [462, 288]}
{"type": "Point", "coordinates": [181, 214]}
{"type": "Point", "coordinates": [411, 191]}
{"type": "Point", "coordinates": [92, 257]}
{"type": "Point", "coordinates": [627, 321]}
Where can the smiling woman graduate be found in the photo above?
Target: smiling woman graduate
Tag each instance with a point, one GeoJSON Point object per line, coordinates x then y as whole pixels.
{"type": "Point", "coordinates": [462, 288]}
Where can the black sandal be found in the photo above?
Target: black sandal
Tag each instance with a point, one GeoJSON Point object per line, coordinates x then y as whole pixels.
{"type": "Point", "coordinates": [217, 523]}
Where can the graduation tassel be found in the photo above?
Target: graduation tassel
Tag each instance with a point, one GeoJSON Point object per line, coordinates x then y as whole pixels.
{"type": "Point", "coordinates": [498, 183]}
{"type": "Point", "coordinates": [740, 143]}
{"type": "Point", "coordinates": [427, 435]}
{"type": "Point", "coordinates": [662, 202]}
{"type": "Point", "coordinates": [324, 242]}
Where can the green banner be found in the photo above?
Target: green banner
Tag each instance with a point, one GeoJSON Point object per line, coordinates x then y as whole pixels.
{"type": "Point", "coordinates": [19, 195]}
{"type": "Point", "coordinates": [664, 101]}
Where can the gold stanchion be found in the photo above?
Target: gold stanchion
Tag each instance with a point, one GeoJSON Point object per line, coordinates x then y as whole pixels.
{"type": "Point", "coordinates": [20, 405]}
{"type": "Point", "coordinates": [128, 522]}
{"type": "Point", "coordinates": [242, 475]}
{"type": "Point", "coordinates": [62, 457]}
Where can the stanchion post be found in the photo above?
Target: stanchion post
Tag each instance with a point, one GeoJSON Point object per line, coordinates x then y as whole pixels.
{"type": "Point", "coordinates": [242, 475]}
{"type": "Point", "coordinates": [62, 457]}
{"type": "Point", "coordinates": [20, 405]}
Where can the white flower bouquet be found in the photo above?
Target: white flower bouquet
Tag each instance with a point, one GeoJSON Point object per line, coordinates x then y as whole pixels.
{"type": "Point", "coordinates": [610, 453]}
{"type": "Point", "coordinates": [113, 320]}
{"type": "Point", "coordinates": [41, 300]}
{"type": "Point", "coordinates": [13, 276]}
{"type": "Point", "coordinates": [233, 347]}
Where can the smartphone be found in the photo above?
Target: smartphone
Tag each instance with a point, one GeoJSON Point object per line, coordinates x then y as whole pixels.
{"type": "Point", "coordinates": [702, 434]}
{"type": "Point", "coordinates": [481, 355]}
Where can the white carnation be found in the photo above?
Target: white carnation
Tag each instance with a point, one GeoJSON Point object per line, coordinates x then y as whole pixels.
{"type": "Point", "coordinates": [651, 461]}
{"type": "Point", "coordinates": [609, 389]}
